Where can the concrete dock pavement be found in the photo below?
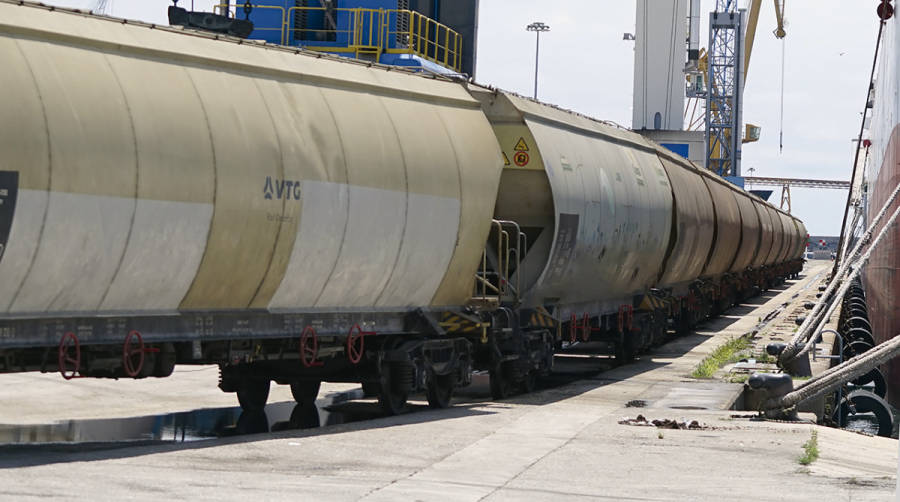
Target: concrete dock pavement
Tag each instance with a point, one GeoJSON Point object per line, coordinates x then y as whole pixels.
{"type": "Point", "coordinates": [561, 443]}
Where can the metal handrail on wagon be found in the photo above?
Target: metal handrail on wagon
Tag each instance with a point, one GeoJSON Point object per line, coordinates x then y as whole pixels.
{"type": "Point", "coordinates": [505, 255]}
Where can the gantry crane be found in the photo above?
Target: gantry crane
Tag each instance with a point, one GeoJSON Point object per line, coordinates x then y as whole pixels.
{"type": "Point", "coordinates": [726, 63]}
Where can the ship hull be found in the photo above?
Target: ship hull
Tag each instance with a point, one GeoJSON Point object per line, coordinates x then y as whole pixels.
{"type": "Point", "coordinates": [882, 274]}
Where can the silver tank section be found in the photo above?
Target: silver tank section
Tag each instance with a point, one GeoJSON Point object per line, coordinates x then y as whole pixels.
{"type": "Point", "coordinates": [695, 224]}
{"type": "Point", "coordinates": [750, 235]}
{"type": "Point", "coordinates": [767, 236]}
{"type": "Point", "coordinates": [594, 200]}
{"type": "Point", "coordinates": [729, 228]}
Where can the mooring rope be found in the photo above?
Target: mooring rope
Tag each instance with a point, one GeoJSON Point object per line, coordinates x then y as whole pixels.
{"type": "Point", "coordinates": [838, 375]}
{"type": "Point", "coordinates": [796, 346]}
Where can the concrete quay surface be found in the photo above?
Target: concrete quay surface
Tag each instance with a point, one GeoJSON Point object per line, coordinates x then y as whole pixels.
{"type": "Point", "coordinates": [561, 443]}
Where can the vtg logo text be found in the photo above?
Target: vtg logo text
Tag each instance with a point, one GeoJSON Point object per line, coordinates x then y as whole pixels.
{"type": "Point", "coordinates": [281, 189]}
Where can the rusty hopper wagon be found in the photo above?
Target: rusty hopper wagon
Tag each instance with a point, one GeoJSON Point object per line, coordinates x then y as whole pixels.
{"type": "Point", "coordinates": [176, 197]}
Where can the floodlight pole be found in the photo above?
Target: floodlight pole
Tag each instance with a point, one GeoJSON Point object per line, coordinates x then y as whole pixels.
{"type": "Point", "coordinates": [537, 27]}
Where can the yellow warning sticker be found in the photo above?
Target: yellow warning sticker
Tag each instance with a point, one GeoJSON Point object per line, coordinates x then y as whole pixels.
{"type": "Point", "coordinates": [505, 159]}
{"type": "Point", "coordinates": [521, 146]}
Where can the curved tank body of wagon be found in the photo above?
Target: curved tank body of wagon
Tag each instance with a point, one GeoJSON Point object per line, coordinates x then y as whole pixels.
{"type": "Point", "coordinates": [694, 224]}
{"type": "Point", "coordinates": [593, 199]}
{"type": "Point", "coordinates": [160, 172]}
{"type": "Point", "coordinates": [729, 227]}
{"type": "Point", "coordinates": [751, 234]}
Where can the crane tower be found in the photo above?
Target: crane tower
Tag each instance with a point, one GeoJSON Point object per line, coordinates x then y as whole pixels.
{"type": "Point", "coordinates": [725, 89]}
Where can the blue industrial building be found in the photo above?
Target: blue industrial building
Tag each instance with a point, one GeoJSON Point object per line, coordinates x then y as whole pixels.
{"type": "Point", "coordinates": [435, 35]}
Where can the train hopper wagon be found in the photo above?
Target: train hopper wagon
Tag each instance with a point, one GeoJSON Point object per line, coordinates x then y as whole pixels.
{"type": "Point", "coordinates": [624, 239]}
{"type": "Point", "coordinates": [181, 197]}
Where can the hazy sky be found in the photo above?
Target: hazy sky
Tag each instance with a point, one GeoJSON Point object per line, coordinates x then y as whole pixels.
{"type": "Point", "coordinates": [587, 67]}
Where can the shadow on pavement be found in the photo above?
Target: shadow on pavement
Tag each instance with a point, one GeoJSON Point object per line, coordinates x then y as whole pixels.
{"type": "Point", "coordinates": [247, 428]}
{"type": "Point", "coordinates": [575, 373]}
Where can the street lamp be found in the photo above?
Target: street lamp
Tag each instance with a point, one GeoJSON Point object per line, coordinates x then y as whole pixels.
{"type": "Point", "coordinates": [537, 27]}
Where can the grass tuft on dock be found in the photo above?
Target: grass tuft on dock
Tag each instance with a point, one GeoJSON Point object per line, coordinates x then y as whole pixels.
{"type": "Point", "coordinates": [810, 449]}
{"type": "Point", "coordinates": [728, 352]}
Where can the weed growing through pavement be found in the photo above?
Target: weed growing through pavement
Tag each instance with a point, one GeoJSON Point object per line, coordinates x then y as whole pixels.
{"type": "Point", "coordinates": [739, 378]}
{"type": "Point", "coordinates": [810, 449]}
{"type": "Point", "coordinates": [728, 352]}
{"type": "Point", "coordinates": [764, 358]}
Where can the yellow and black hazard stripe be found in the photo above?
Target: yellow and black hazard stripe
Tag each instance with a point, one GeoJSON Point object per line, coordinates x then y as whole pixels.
{"type": "Point", "coordinates": [651, 302]}
{"type": "Point", "coordinates": [455, 323]}
{"type": "Point", "coordinates": [542, 319]}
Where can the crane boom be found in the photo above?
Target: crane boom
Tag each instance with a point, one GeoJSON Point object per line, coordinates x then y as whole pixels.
{"type": "Point", "coordinates": [752, 21]}
{"type": "Point", "coordinates": [779, 15]}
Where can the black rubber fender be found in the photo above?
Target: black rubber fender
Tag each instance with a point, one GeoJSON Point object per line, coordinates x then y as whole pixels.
{"type": "Point", "coordinates": [855, 312]}
{"type": "Point", "coordinates": [866, 402]}
{"type": "Point", "coordinates": [860, 334]}
{"type": "Point", "coordinates": [856, 348]}
{"type": "Point", "coordinates": [857, 322]}
{"type": "Point", "coordinates": [856, 306]}
{"type": "Point", "coordinates": [877, 378]}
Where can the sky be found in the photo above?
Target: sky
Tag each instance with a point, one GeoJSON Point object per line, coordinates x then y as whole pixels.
{"type": "Point", "coordinates": [586, 66]}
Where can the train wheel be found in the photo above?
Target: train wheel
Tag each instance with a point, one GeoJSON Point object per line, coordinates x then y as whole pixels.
{"type": "Point", "coordinates": [305, 391]}
{"type": "Point", "coordinates": [529, 383]}
{"type": "Point", "coordinates": [371, 389]}
{"type": "Point", "coordinates": [440, 391]}
{"type": "Point", "coordinates": [683, 324]}
{"type": "Point", "coordinates": [252, 422]}
{"type": "Point", "coordinates": [501, 385]}
{"type": "Point", "coordinates": [392, 395]}
{"type": "Point", "coordinates": [253, 393]}
{"type": "Point", "coordinates": [164, 361]}
{"type": "Point", "coordinates": [305, 416]}
{"type": "Point", "coordinates": [625, 349]}
{"type": "Point", "coordinates": [149, 364]}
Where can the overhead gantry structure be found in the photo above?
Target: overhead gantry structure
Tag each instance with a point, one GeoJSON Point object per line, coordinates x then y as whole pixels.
{"type": "Point", "coordinates": [787, 183]}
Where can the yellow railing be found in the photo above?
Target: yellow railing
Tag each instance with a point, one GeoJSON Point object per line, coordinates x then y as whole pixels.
{"type": "Point", "coordinates": [370, 32]}
{"type": "Point", "coordinates": [425, 38]}
{"type": "Point", "coordinates": [363, 33]}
